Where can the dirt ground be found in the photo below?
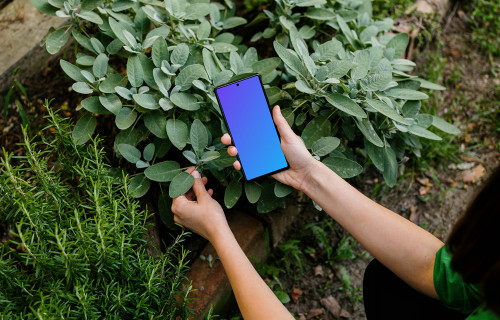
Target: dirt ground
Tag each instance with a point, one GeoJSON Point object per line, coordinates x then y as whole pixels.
{"type": "Point", "coordinates": [433, 199]}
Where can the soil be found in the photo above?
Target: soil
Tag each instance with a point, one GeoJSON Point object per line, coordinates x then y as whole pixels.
{"type": "Point", "coordinates": [433, 199]}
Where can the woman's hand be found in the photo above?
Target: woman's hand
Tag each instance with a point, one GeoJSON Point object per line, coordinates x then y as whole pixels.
{"type": "Point", "coordinates": [300, 160]}
{"type": "Point", "coordinates": [198, 211]}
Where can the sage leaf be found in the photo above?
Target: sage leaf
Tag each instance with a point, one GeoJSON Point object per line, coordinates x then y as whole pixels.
{"type": "Point", "coordinates": [424, 133]}
{"type": "Point", "coordinates": [125, 118]}
{"type": "Point", "coordinates": [209, 156]}
{"type": "Point", "coordinates": [180, 184]}
{"type": "Point", "coordinates": [252, 191]}
{"type": "Point", "coordinates": [111, 82]}
{"type": "Point", "coordinates": [390, 166]}
{"type": "Point", "coordinates": [345, 104]}
{"type": "Point", "coordinates": [375, 154]}
{"type": "Point", "coordinates": [82, 87]}
{"type": "Point", "coordinates": [366, 128]}
{"type": "Point", "coordinates": [406, 94]}
{"type": "Point", "coordinates": [232, 193]}
{"type": "Point", "coordinates": [233, 22]}
{"type": "Point", "coordinates": [185, 101]}
{"type": "Point", "coordinates": [56, 40]}
{"type": "Point", "coordinates": [93, 105]}
{"type": "Point", "coordinates": [146, 101]}
{"type": "Point", "coordinates": [386, 110]}
{"type": "Point", "coordinates": [189, 74]}
{"type": "Point", "coordinates": [149, 152]}
{"type": "Point", "coordinates": [177, 132]}
{"type": "Point", "coordinates": [302, 86]}
{"type": "Point", "coordinates": [129, 152]}
{"type": "Point", "coordinates": [111, 102]}
{"type": "Point", "coordinates": [317, 128]}
{"type": "Point", "coordinates": [345, 168]}
{"type": "Point", "coordinates": [180, 54]}
{"type": "Point", "coordinates": [72, 71]}
{"type": "Point", "coordinates": [135, 73]}
{"type": "Point", "coordinates": [282, 190]}
{"type": "Point", "coordinates": [139, 186]}
{"type": "Point", "coordinates": [90, 16]}
{"type": "Point", "coordinates": [444, 126]}
{"type": "Point", "coordinates": [290, 60]}
{"type": "Point", "coordinates": [84, 129]}
{"type": "Point", "coordinates": [198, 135]}
{"type": "Point", "coordinates": [324, 145]}
{"type": "Point", "coordinates": [399, 43]}
{"type": "Point", "coordinates": [191, 156]}
{"type": "Point", "coordinates": [156, 122]}
{"type": "Point", "coordinates": [163, 171]}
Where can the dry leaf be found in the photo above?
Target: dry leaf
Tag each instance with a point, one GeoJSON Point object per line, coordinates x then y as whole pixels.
{"type": "Point", "coordinates": [318, 271]}
{"type": "Point", "coordinates": [474, 174]}
{"type": "Point", "coordinates": [314, 313]}
{"type": "Point", "coordinates": [296, 293]}
{"type": "Point", "coordinates": [302, 316]}
{"type": "Point", "coordinates": [470, 159]}
{"type": "Point", "coordinates": [331, 304]}
{"type": "Point", "coordinates": [345, 314]}
{"type": "Point", "coordinates": [426, 186]}
{"type": "Point", "coordinates": [414, 214]}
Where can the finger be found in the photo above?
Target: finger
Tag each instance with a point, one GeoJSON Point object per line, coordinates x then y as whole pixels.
{"type": "Point", "coordinates": [226, 139]}
{"type": "Point", "coordinates": [283, 127]}
{"type": "Point", "coordinates": [210, 192]}
{"type": "Point", "coordinates": [232, 151]}
{"type": "Point", "coordinates": [205, 180]}
{"type": "Point", "coordinates": [237, 165]}
{"type": "Point", "coordinates": [190, 195]}
{"type": "Point", "coordinates": [190, 169]}
{"type": "Point", "coordinates": [198, 186]}
{"type": "Point", "coordinates": [179, 204]}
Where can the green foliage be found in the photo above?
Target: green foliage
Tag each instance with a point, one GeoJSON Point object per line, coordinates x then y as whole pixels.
{"type": "Point", "coordinates": [338, 76]}
{"type": "Point", "coordinates": [75, 242]}
{"type": "Point", "coordinates": [485, 24]}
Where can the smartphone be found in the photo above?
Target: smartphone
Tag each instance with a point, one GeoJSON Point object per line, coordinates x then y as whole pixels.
{"type": "Point", "coordinates": [247, 115]}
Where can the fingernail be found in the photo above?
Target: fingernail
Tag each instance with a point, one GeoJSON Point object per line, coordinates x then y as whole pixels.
{"type": "Point", "coordinates": [196, 174]}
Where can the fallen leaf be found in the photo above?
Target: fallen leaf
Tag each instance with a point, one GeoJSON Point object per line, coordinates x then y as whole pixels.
{"type": "Point", "coordinates": [345, 314]}
{"type": "Point", "coordinates": [296, 293]}
{"type": "Point", "coordinates": [302, 316]}
{"type": "Point", "coordinates": [470, 159]}
{"type": "Point", "coordinates": [426, 186]}
{"type": "Point", "coordinates": [315, 312]}
{"type": "Point", "coordinates": [414, 214]}
{"type": "Point", "coordinates": [331, 304]}
{"type": "Point", "coordinates": [474, 174]}
{"type": "Point", "coordinates": [318, 271]}
{"type": "Point", "coordinates": [420, 6]}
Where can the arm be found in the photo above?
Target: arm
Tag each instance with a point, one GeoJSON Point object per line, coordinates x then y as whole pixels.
{"type": "Point", "coordinates": [206, 217]}
{"type": "Point", "coordinates": [403, 247]}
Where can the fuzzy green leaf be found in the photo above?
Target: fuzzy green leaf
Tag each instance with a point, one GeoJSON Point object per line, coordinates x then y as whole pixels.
{"type": "Point", "coordinates": [139, 186]}
{"type": "Point", "coordinates": [156, 122]}
{"type": "Point", "coordinates": [180, 184]}
{"type": "Point", "coordinates": [125, 118]}
{"type": "Point", "coordinates": [84, 129]}
{"type": "Point", "coordinates": [345, 104]}
{"type": "Point", "coordinates": [324, 146]}
{"type": "Point", "coordinates": [317, 128]}
{"type": "Point", "coordinates": [129, 152]}
{"type": "Point", "coordinates": [232, 193]}
{"type": "Point", "coordinates": [399, 43]}
{"type": "Point", "coordinates": [177, 132]}
{"type": "Point", "coordinates": [198, 135]}
{"type": "Point", "coordinates": [282, 190]}
{"type": "Point", "coordinates": [424, 133]}
{"type": "Point", "coordinates": [163, 171]}
{"type": "Point", "coordinates": [390, 166]}
{"type": "Point", "coordinates": [90, 16]}
{"type": "Point", "coordinates": [406, 94]}
{"type": "Point", "coordinates": [345, 168]}
{"type": "Point", "coordinates": [386, 110]}
{"type": "Point", "coordinates": [146, 101]}
{"type": "Point", "coordinates": [72, 71]}
{"type": "Point", "coordinates": [444, 126]}
{"type": "Point", "coordinates": [289, 59]}
{"type": "Point", "coordinates": [186, 101]}
{"type": "Point", "coordinates": [56, 40]}
{"type": "Point", "coordinates": [252, 191]}
{"type": "Point", "coordinates": [135, 73]}
{"type": "Point", "coordinates": [111, 102]}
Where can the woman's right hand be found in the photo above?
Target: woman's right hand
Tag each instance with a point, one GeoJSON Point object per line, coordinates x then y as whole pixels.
{"type": "Point", "coordinates": [300, 160]}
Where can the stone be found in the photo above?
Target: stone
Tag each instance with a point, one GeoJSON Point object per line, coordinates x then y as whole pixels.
{"type": "Point", "coordinates": [22, 27]}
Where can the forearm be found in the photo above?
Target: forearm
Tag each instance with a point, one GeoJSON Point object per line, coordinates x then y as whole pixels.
{"type": "Point", "coordinates": [255, 299]}
{"type": "Point", "coordinates": [400, 245]}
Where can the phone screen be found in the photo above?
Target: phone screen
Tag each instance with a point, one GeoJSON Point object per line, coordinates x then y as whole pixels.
{"type": "Point", "coordinates": [251, 126]}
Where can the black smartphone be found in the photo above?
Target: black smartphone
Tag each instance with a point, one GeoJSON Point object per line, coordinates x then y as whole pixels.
{"type": "Point", "coordinates": [246, 111]}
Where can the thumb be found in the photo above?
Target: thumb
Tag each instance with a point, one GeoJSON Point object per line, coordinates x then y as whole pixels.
{"type": "Point", "coordinates": [198, 186]}
{"type": "Point", "coordinates": [284, 129]}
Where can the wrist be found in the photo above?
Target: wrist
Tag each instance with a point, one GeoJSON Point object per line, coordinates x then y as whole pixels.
{"type": "Point", "coordinates": [219, 233]}
{"type": "Point", "coordinates": [310, 182]}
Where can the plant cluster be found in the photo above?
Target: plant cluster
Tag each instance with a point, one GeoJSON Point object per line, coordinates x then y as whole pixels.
{"type": "Point", "coordinates": [485, 25]}
{"type": "Point", "coordinates": [153, 64]}
{"type": "Point", "coordinates": [73, 238]}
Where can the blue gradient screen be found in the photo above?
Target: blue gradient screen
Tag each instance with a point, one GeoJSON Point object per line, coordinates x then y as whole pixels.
{"type": "Point", "coordinates": [251, 126]}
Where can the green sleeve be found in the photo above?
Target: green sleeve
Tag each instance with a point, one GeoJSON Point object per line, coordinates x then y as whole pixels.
{"type": "Point", "coordinates": [451, 288]}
